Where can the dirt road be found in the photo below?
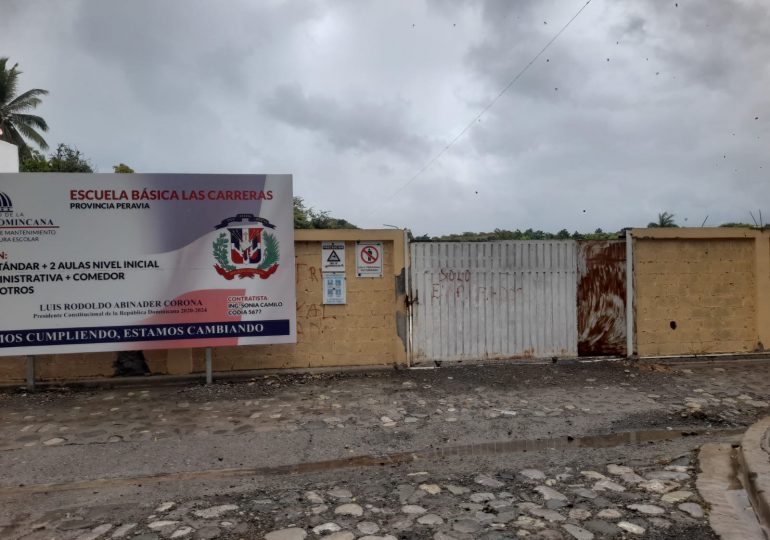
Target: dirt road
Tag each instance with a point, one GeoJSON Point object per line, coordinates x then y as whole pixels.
{"type": "Point", "coordinates": [578, 450]}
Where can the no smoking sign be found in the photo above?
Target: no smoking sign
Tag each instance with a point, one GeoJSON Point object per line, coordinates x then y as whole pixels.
{"type": "Point", "coordinates": [369, 259]}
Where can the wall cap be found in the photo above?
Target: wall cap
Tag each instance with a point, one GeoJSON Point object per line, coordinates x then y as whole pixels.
{"type": "Point", "coordinates": [698, 233]}
{"type": "Point", "coordinates": [349, 235]}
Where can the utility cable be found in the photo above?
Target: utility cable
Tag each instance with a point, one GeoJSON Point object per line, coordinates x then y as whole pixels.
{"type": "Point", "coordinates": [491, 103]}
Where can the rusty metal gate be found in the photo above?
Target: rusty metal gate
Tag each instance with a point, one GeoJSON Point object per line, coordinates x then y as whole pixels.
{"type": "Point", "coordinates": [601, 298]}
{"type": "Point", "coordinates": [493, 300]}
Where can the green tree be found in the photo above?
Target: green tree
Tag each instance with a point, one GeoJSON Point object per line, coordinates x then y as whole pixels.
{"type": "Point", "coordinates": [122, 168]}
{"type": "Point", "coordinates": [65, 159]}
{"type": "Point", "coordinates": [664, 220]}
{"type": "Point", "coordinates": [69, 159]}
{"type": "Point", "coordinates": [309, 218]}
{"type": "Point", "coordinates": [34, 161]}
{"type": "Point", "coordinates": [301, 219]}
{"type": "Point", "coordinates": [16, 124]}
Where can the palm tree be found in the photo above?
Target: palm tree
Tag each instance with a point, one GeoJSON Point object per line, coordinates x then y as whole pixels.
{"type": "Point", "coordinates": [664, 220]}
{"type": "Point", "coordinates": [16, 125]}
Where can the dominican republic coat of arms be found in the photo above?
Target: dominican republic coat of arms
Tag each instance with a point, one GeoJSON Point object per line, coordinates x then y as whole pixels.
{"type": "Point", "coordinates": [246, 247]}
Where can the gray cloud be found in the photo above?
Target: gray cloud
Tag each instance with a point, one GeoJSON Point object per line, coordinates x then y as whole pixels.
{"type": "Point", "coordinates": [347, 123]}
{"type": "Point", "coordinates": [188, 49]}
{"type": "Point", "coordinates": [632, 29]}
{"type": "Point", "coordinates": [355, 98]}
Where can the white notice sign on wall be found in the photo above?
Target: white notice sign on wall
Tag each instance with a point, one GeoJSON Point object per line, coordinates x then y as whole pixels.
{"type": "Point", "coordinates": [333, 257]}
{"type": "Point", "coordinates": [334, 289]}
{"type": "Point", "coordinates": [369, 259]}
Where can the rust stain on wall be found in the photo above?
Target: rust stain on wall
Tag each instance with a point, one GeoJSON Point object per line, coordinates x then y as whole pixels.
{"type": "Point", "coordinates": [601, 309]}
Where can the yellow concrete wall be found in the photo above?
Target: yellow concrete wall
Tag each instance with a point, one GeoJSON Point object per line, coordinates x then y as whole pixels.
{"type": "Point", "coordinates": [358, 333]}
{"type": "Point", "coordinates": [362, 332]}
{"type": "Point", "coordinates": [714, 283]}
{"type": "Point", "coordinates": [710, 282]}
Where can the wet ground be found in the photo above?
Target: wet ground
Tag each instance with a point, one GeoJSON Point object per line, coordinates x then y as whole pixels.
{"type": "Point", "coordinates": [506, 451]}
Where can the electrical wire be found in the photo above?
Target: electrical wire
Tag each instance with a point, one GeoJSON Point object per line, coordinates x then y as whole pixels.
{"type": "Point", "coordinates": [491, 104]}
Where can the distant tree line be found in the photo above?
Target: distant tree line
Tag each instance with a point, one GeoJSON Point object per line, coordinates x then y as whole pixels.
{"type": "Point", "coordinates": [665, 220]}
{"type": "Point", "coordinates": [529, 234]}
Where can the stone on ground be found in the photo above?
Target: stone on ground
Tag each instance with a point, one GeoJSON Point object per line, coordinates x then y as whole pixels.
{"type": "Point", "coordinates": [676, 496]}
{"type": "Point", "coordinates": [550, 493]}
{"type": "Point", "coordinates": [294, 533]}
{"type": "Point", "coordinates": [326, 528]}
{"type": "Point", "coordinates": [413, 509]}
{"type": "Point", "coordinates": [342, 535]}
{"type": "Point", "coordinates": [618, 470]}
{"type": "Point", "coordinates": [609, 513]}
{"type": "Point", "coordinates": [631, 527]}
{"type": "Point", "coordinates": [368, 527]}
{"type": "Point", "coordinates": [430, 519]}
{"type": "Point", "coordinates": [160, 524]}
{"type": "Point", "coordinates": [350, 509]}
{"type": "Point", "coordinates": [649, 509]}
{"type": "Point", "coordinates": [486, 480]}
{"type": "Point", "coordinates": [482, 497]}
{"type": "Point", "coordinates": [215, 511]}
{"type": "Point", "coordinates": [340, 493]}
{"type": "Point", "coordinates": [533, 474]}
{"type": "Point", "coordinates": [692, 509]}
{"type": "Point", "coordinates": [181, 532]}
{"type": "Point", "coordinates": [608, 485]}
{"type": "Point", "coordinates": [578, 532]}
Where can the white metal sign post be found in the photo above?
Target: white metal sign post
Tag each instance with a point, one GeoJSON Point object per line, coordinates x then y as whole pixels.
{"type": "Point", "coordinates": [109, 262]}
{"type": "Point", "coordinates": [209, 369]}
{"type": "Point", "coordinates": [30, 372]}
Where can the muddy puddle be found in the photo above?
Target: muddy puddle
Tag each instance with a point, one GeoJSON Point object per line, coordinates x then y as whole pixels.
{"type": "Point", "coordinates": [469, 450]}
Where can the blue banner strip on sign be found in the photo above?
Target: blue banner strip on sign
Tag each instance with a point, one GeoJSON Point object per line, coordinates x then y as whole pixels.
{"type": "Point", "coordinates": [149, 332]}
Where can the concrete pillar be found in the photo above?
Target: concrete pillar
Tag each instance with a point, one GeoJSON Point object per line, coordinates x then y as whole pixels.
{"type": "Point", "coordinates": [9, 158]}
{"type": "Point", "coordinates": [762, 253]}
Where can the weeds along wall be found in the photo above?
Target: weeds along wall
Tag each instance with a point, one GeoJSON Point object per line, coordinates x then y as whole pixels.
{"type": "Point", "coordinates": [370, 329]}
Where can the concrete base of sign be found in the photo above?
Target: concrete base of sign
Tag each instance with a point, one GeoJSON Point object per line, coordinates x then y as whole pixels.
{"type": "Point", "coordinates": [161, 380]}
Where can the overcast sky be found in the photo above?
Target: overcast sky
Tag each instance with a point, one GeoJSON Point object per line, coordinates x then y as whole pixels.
{"type": "Point", "coordinates": [640, 106]}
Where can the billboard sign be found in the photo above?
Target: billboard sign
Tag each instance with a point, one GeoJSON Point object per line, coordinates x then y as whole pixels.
{"type": "Point", "coordinates": [106, 262]}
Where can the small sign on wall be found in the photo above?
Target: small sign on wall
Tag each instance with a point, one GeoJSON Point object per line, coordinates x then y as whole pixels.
{"type": "Point", "coordinates": [369, 257]}
{"type": "Point", "coordinates": [333, 257]}
{"type": "Point", "coordinates": [334, 288]}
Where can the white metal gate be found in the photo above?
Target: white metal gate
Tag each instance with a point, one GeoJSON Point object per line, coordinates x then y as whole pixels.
{"type": "Point", "coordinates": [484, 300]}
